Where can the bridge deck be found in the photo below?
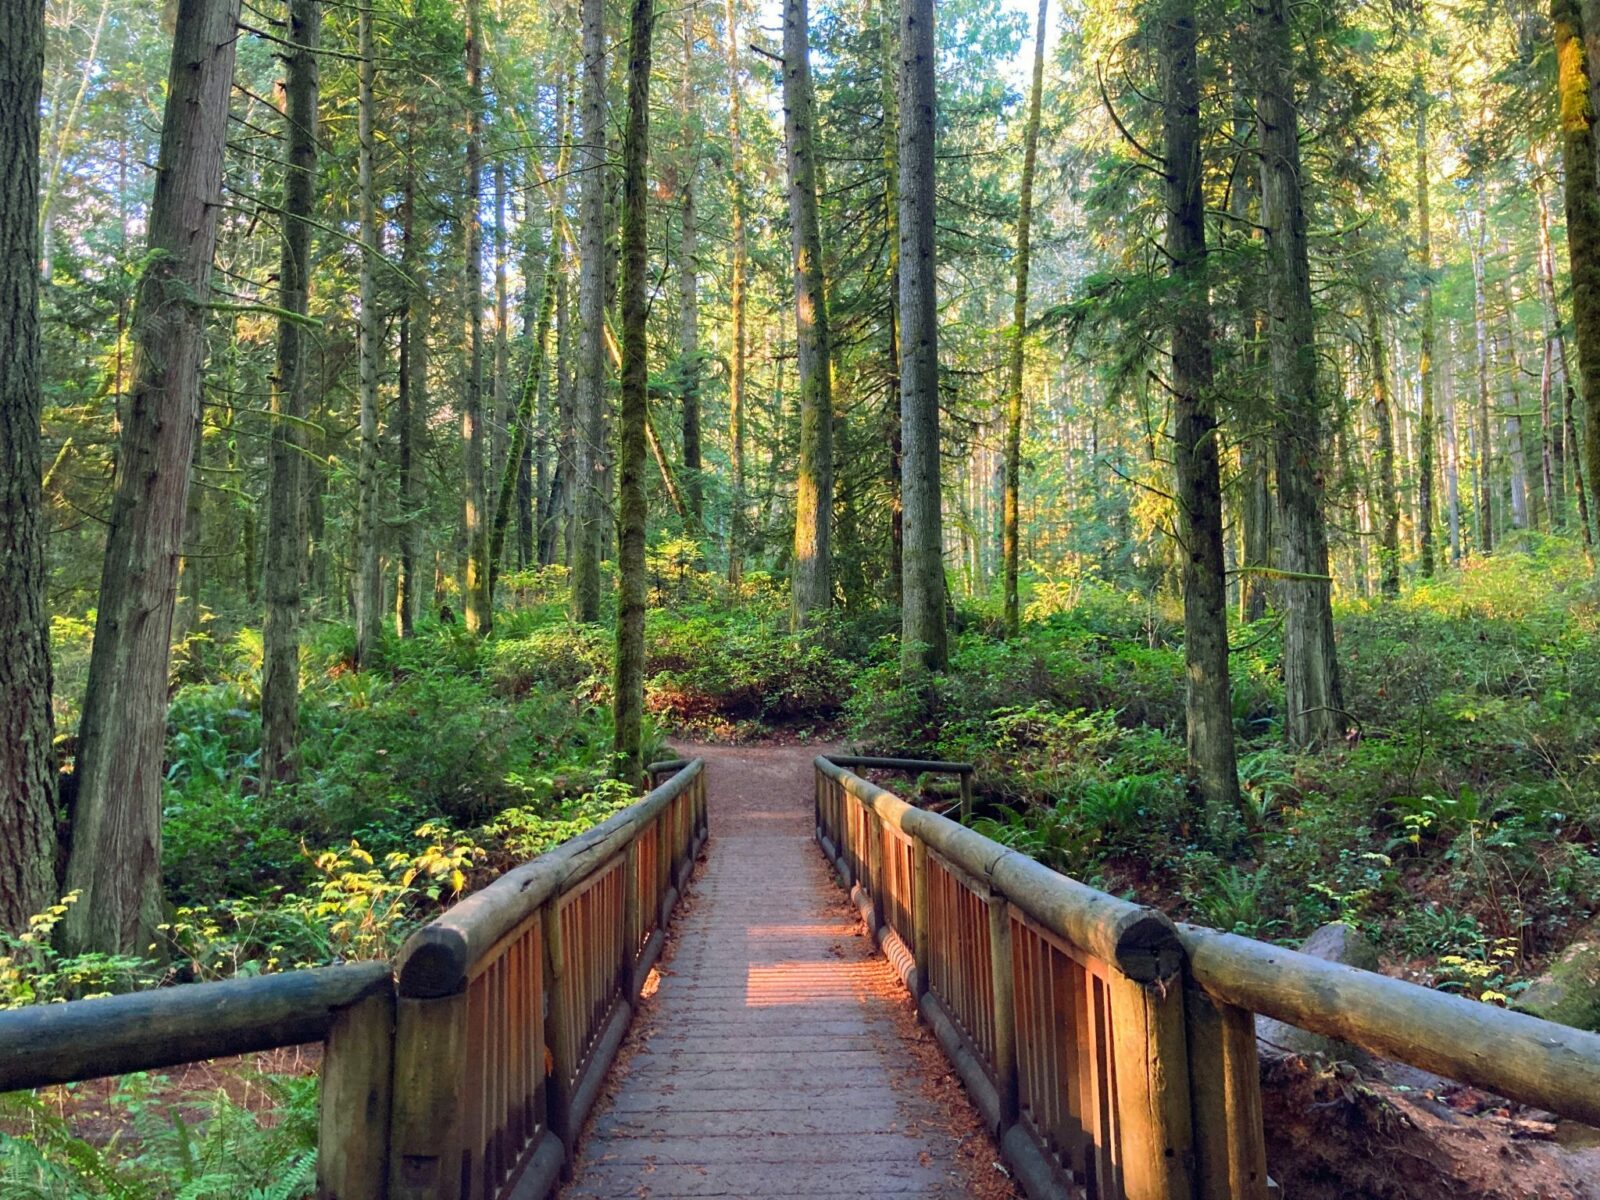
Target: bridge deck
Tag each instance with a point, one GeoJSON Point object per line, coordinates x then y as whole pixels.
{"type": "Point", "coordinates": [779, 1056]}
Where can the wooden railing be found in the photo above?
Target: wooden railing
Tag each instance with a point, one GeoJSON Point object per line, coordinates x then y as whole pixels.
{"type": "Point", "coordinates": [467, 1072]}
{"type": "Point", "coordinates": [349, 1009]}
{"type": "Point", "coordinates": [512, 1004]}
{"type": "Point", "coordinates": [1113, 1053]}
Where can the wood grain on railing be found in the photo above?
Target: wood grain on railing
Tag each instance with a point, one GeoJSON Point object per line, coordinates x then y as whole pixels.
{"type": "Point", "coordinates": [512, 1004]}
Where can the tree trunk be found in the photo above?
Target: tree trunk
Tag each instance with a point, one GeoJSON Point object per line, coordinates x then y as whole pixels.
{"type": "Point", "coordinates": [1383, 418]}
{"type": "Point", "coordinates": [812, 569]}
{"type": "Point", "coordinates": [369, 585]}
{"type": "Point", "coordinates": [1583, 217]}
{"type": "Point", "coordinates": [411, 406]}
{"type": "Point", "coordinates": [284, 565]}
{"type": "Point", "coordinates": [628, 696]}
{"type": "Point", "coordinates": [479, 605]}
{"type": "Point", "coordinates": [736, 302]}
{"type": "Point", "coordinates": [889, 53]}
{"type": "Point", "coordinates": [115, 864]}
{"type": "Point", "coordinates": [689, 365]}
{"type": "Point", "coordinates": [1552, 320]}
{"type": "Point", "coordinates": [1452, 454]}
{"type": "Point", "coordinates": [922, 627]}
{"type": "Point", "coordinates": [1485, 455]}
{"type": "Point", "coordinates": [1019, 320]}
{"type": "Point", "coordinates": [1208, 705]}
{"type": "Point", "coordinates": [27, 755]}
{"type": "Point", "coordinates": [589, 401]}
{"type": "Point", "coordinates": [1313, 701]}
{"type": "Point", "coordinates": [1426, 437]}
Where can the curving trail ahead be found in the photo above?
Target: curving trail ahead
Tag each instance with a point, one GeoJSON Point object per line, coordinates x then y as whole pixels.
{"type": "Point", "coordinates": [779, 1056]}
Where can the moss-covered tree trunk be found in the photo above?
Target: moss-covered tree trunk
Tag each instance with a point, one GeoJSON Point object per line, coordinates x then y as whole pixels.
{"type": "Point", "coordinates": [1383, 419]}
{"type": "Point", "coordinates": [115, 862]}
{"type": "Point", "coordinates": [369, 585]}
{"type": "Point", "coordinates": [1577, 117]}
{"type": "Point", "coordinates": [284, 566]}
{"type": "Point", "coordinates": [923, 643]}
{"type": "Point", "coordinates": [1314, 707]}
{"type": "Point", "coordinates": [628, 696]}
{"type": "Point", "coordinates": [737, 254]}
{"type": "Point", "coordinates": [1427, 436]}
{"type": "Point", "coordinates": [1208, 705]}
{"type": "Point", "coordinates": [590, 379]}
{"type": "Point", "coordinates": [1010, 543]}
{"type": "Point", "coordinates": [812, 568]}
{"type": "Point", "coordinates": [27, 760]}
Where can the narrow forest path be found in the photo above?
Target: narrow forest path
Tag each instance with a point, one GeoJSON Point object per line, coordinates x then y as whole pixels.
{"type": "Point", "coordinates": [778, 1055]}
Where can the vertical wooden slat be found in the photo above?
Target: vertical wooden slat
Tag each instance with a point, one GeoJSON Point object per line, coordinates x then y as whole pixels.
{"type": "Point", "coordinates": [558, 1097]}
{"type": "Point", "coordinates": [921, 914]}
{"type": "Point", "coordinates": [1003, 1015]}
{"type": "Point", "coordinates": [1225, 1081]}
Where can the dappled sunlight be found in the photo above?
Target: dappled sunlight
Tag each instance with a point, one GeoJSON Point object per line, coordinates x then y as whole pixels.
{"type": "Point", "coordinates": [807, 983]}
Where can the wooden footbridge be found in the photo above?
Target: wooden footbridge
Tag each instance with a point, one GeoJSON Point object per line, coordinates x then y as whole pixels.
{"type": "Point", "coordinates": [1109, 1052]}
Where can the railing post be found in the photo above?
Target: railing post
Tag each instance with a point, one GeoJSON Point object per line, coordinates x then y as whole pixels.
{"type": "Point", "coordinates": [1151, 1062]}
{"type": "Point", "coordinates": [1225, 1082]}
{"type": "Point", "coordinates": [1003, 986]}
{"type": "Point", "coordinates": [357, 1087]}
{"type": "Point", "coordinates": [920, 931]}
{"type": "Point", "coordinates": [430, 1050]}
{"type": "Point", "coordinates": [558, 1029]}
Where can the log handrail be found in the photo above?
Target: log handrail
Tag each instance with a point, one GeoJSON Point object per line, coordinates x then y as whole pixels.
{"type": "Point", "coordinates": [1523, 1058]}
{"type": "Point", "coordinates": [1202, 1067]}
{"type": "Point", "coordinates": [511, 1006]}
{"type": "Point", "coordinates": [465, 1071]}
{"type": "Point", "coordinates": [1003, 951]}
{"type": "Point", "coordinates": [348, 1008]}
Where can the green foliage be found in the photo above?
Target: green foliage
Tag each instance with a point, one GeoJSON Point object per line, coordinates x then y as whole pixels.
{"type": "Point", "coordinates": [165, 1150]}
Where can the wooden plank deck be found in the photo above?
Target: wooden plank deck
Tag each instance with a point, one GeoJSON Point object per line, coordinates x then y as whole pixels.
{"type": "Point", "coordinates": [778, 1056]}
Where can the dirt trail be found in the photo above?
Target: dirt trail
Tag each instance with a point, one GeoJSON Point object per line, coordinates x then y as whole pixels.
{"type": "Point", "coordinates": [778, 1055]}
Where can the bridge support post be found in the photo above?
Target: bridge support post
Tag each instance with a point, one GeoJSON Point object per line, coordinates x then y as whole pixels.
{"type": "Point", "coordinates": [1003, 983]}
{"type": "Point", "coordinates": [1225, 1082]}
{"type": "Point", "coordinates": [632, 923]}
{"type": "Point", "coordinates": [425, 1136]}
{"type": "Point", "coordinates": [357, 1087]}
{"type": "Point", "coordinates": [1150, 1058]}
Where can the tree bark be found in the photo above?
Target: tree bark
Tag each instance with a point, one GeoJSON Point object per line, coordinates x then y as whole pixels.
{"type": "Point", "coordinates": [115, 863]}
{"type": "Point", "coordinates": [1312, 697]}
{"type": "Point", "coordinates": [628, 695]}
{"type": "Point", "coordinates": [1208, 705]}
{"type": "Point", "coordinates": [27, 756]}
{"type": "Point", "coordinates": [479, 610]}
{"type": "Point", "coordinates": [589, 400]}
{"type": "Point", "coordinates": [1552, 319]}
{"type": "Point", "coordinates": [923, 644]}
{"type": "Point", "coordinates": [689, 365]}
{"type": "Point", "coordinates": [736, 300]}
{"type": "Point", "coordinates": [284, 563]}
{"type": "Point", "coordinates": [1009, 504]}
{"type": "Point", "coordinates": [1426, 436]}
{"type": "Point", "coordinates": [812, 568]}
{"type": "Point", "coordinates": [1383, 418]}
{"type": "Point", "coordinates": [369, 585]}
{"type": "Point", "coordinates": [1577, 115]}
{"type": "Point", "coordinates": [1485, 455]}
{"type": "Point", "coordinates": [411, 404]}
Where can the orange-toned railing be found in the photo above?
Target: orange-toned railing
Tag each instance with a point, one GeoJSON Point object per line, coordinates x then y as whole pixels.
{"type": "Point", "coordinates": [511, 1006]}
{"type": "Point", "coordinates": [1112, 1053]}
